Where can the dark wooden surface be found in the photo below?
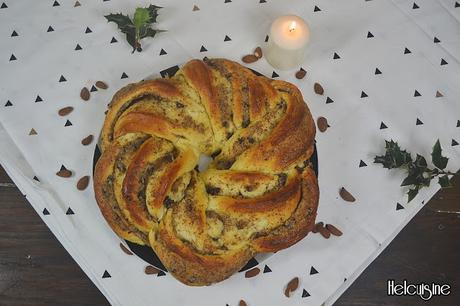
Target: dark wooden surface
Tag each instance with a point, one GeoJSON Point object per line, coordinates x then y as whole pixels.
{"type": "Point", "coordinates": [36, 270]}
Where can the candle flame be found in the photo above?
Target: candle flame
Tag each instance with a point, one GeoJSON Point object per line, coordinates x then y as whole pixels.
{"type": "Point", "coordinates": [292, 26]}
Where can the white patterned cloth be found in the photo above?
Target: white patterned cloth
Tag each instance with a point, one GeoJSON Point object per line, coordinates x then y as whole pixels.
{"type": "Point", "coordinates": [390, 69]}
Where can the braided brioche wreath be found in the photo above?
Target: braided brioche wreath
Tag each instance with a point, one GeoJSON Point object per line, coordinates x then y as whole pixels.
{"type": "Point", "coordinates": [259, 193]}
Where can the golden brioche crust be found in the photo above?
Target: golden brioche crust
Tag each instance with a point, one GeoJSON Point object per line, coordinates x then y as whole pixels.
{"type": "Point", "coordinates": [259, 194]}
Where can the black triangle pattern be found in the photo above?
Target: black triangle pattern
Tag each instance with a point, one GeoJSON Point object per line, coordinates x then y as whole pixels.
{"type": "Point", "coordinates": [124, 75]}
{"type": "Point", "coordinates": [36, 178]}
{"type": "Point", "coordinates": [161, 273]}
{"type": "Point", "coordinates": [443, 62]}
{"type": "Point", "coordinates": [399, 206]}
{"type": "Point", "coordinates": [336, 56]}
{"type": "Point", "coordinates": [77, 47]}
{"type": "Point", "coordinates": [362, 164]}
{"type": "Point", "coordinates": [68, 123]}
{"type": "Point", "coordinates": [14, 34]}
{"type": "Point", "coordinates": [106, 274]}
{"type": "Point", "coordinates": [227, 38]}
{"type": "Point", "coordinates": [38, 99]}
{"type": "Point", "coordinates": [113, 40]}
{"type": "Point", "coordinates": [88, 30]}
{"type": "Point", "coordinates": [163, 52]}
{"type": "Point", "coordinates": [69, 212]}
{"type": "Point", "coordinates": [383, 126]}
{"type": "Point", "coordinates": [50, 29]}
{"type": "Point", "coordinates": [93, 89]}
{"type": "Point", "coordinates": [275, 75]}
{"type": "Point", "coordinates": [329, 100]}
{"type": "Point", "coordinates": [417, 94]}
{"type": "Point", "coordinates": [8, 103]}
{"type": "Point", "coordinates": [313, 271]}
{"type": "Point", "coordinates": [251, 263]}
{"type": "Point", "coordinates": [13, 57]}
{"type": "Point", "coordinates": [407, 51]}
{"type": "Point", "coordinates": [436, 40]}
{"type": "Point", "coordinates": [62, 79]}
{"type": "Point", "coordinates": [377, 71]}
{"type": "Point", "coordinates": [267, 269]}
{"type": "Point", "coordinates": [262, 1]}
{"type": "Point", "coordinates": [169, 72]}
{"type": "Point", "coordinates": [363, 94]}
{"type": "Point", "coordinates": [266, 38]}
{"type": "Point", "coordinates": [316, 9]}
{"type": "Point", "coordinates": [415, 6]}
{"type": "Point", "coordinates": [369, 35]}
{"type": "Point", "coordinates": [203, 49]}
{"type": "Point", "coordinates": [63, 168]}
{"type": "Point", "coordinates": [4, 5]}
{"type": "Point", "coordinates": [457, 4]}
{"type": "Point", "coordinates": [46, 212]}
{"type": "Point", "coordinates": [227, 1]}
{"type": "Point", "coordinates": [418, 122]}
{"type": "Point", "coordinates": [305, 293]}
{"type": "Point", "coordinates": [458, 121]}
{"type": "Point", "coordinates": [454, 143]}
{"type": "Point", "coordinates": [56, 3]}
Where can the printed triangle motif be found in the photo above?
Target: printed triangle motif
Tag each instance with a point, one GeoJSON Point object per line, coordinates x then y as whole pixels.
{"type": "Point", "coordinates": [68, 123]}
{"type": "Point", "coordinates": [305, 293]}
{"type": "Point", "coordinates": [377, 71]}
{"type": "Point", "coordinates": [370, 35]}
{"type": "Point", "coordinates": [106, 274]}
{"type": "Point", "coordinates": [458, 121]}
{"type": "Point", "coordinates": [383, 126]}
{"type": "Point", "coordinates": [267, 269]}
{"type": "Point", "coordinates": [436, 40]}
{"type": "Point", "coordinates": [56, 3]}
{"type": "Point", "coordinates": [363, 94]}
{"type": "Point", "coordinates": [329, 100]}
{"type": "Point", "coordinates": [33, 132]}
{"type": "Point", "coordinates": [93, 89]}
{"type": "Point", "coordinates": [62, 79]}
{"type": "Point", "coordinates": [336, 56]}
{"type": "Point", "coordinates": [275, 75]}
{"type": "Point", "coordinates": [417, 94]}
{"type": "Point", "coordinates": [163, 52]}
{"type": "Point", "coordinates": [443, 62]}
{"type": "Point", "coordinates": [316, 9]}
{"type": "Point", "coordinates": [195, 8]}
{"type": "Point", "coordinates": [124, 76]}
{"type": "Point", "coordinates": [227, 38]}
{"type": "Point", "coordinates": [8, 103]}
{"type": "Point", "coordinates": [457, 4]}
{"type": "Point", "coordinates": [418, 122]}
{"type": "Point", "coordinates": [313, 271]}
{"type": "Point", "coordinates": [399, 206]}
{"type": "Point", "coordinates": [12, 57]}
{"type": "Point", "coordinates": [415, 6]}
{"type": "Point", "coordinates": [70, 212]}
{"type": "Point", "coordinates": [362, 164]}
{"type": "Point", "coordinates": [114, 40]}
{"type": "Point", "coordinates": [439, 94]}
{"type": "Point", "coordinates": [46, 212]}
{"type": "Point", "coordinates": [407, 51]}
{"type": "Point", "coordinates": [3, 6]}
{"type": "Point", "coordinates": [38, 99]}
{"type": "Point", "coordinates": [14, 34]}
{"type": "Point", "coordinates": [454, 143]}
{"type": "Point", "coordinates": [77, 3]}
{"type": "Point", "coordinates": [78, 47]}
{"type": "Point", "coordinates": [203, 49]}
{"type": "Point", "coordinates": [88, 30]}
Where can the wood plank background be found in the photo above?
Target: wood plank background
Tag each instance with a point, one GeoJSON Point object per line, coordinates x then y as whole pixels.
{"type": "Point", "coordinates": [36, 270]}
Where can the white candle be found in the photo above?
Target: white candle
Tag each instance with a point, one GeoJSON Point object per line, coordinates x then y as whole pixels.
{"type": "Point", "coordinates": [287, 42]}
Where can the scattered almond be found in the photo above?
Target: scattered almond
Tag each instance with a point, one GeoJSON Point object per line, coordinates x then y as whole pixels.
{"type": "Point", "coordinates": [334, 230]}
{"type": "Point", "coordinates": [65, 111]}
{"type": "Point", "coordinates": [301, 74]}
{"type": "Point", "coordinates": [151, 270]}
{"type": "Point", "coordinates": [346, 195]}
{"type": "Point", "coordinates": [250, 58]}
{"type": "Point", "coordinates": [64, 173]}
{"type": "Point", "coordinates": [258, 52]}
{"type": "Point", "coordinates": [87, 140]}
{"type": "Point", "coordinates": [251, 273]}
{"type": "Point", "coordinates": [322, 124]}
{"type": "Point", "coordinates": [242, 303]}
{"type": "Point", "coordinates": [317, 226]}
{"type": "Point", "coordinates": [318, 89]}
{"type": "Point", "coordinates": [84, 94]}
{"type": "Point", "coordinates": [324, 232]}
{"type": "Point", "coordinates": [125, 249]}
{"type": "Point", "coordinates": [291, 286]}
{"type": "Point", "coordinates": [83, 182]}
{"type": "Point", "coordinates": [101, 85]}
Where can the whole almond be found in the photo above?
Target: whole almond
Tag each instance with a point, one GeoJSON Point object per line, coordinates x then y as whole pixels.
{"type": "Point", "coordinates": [151, 270]}
{"type": "Point", "coordinates": [317, 226]}
{"type": "Point", "coordinates": [83, 182]}
{"type": "Point", "coordinates": [87, 140]}
{"type": "Point", "coordinates": [64, 173]}
{"type": "Point", "coordinates": [251, 273]}
{"type": "Point", "coordinates": [101, 85]}
{"type": "Point", "coordinates": [346, 195]}
{"type": "Point", "coordinates": [250, 58]}
{"type": "Point", "coordinates": [300, 74]}
{"type": "Point", "coordinates": [84, 94]}
{"type": "Point", "coordinates": [324, 232]}
{"type": "Point", "coordinates": [65, 111]}
{"type": "Point", "coordinates": [334, 230]}
{"type": "Point", "coordinates": [318, 89]}
{"type": "Point", "coordinates": [242, 303]}
{"type": "Point", "coordinates": [291, 286]}
{"type": "Point", "coordinates": [125, 249]}
{"type": "Point", "coordinates": [258, 52]}
{"type": "Point", "coordinates": [322, 124]}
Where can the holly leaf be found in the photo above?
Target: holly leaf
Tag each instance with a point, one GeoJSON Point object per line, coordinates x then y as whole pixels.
{"type": "Point", "coordinates": [411, 194]}
{"type": "Point", "coordinates": [123, 22]}
{"type": "Point", "coordinates": [437, 158]}
{"type": "Point", "coordinates": [444, 181]}
{"type": "Point", "coordinates": [420, 161]}
{"type": "Point", "coordinates": [141, 17]}
{"type": "Point", "coordinates": [394, 157]}
{"type": "Point", "coordinates": [153, 12]}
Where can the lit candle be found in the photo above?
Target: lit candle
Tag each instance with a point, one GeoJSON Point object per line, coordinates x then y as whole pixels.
{"type": "Point", "coordinates": [287, 43]}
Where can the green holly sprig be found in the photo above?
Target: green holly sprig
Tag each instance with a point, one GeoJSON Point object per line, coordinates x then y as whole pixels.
{"type": "Point", "coordinates": [138, 28]}
{"type": "Point", "coordinates": [419, 175]}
